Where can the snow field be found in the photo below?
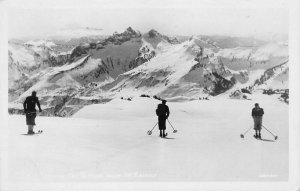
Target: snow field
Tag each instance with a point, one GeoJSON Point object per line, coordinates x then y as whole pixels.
{"type": "Point", "coordinates": [109, 142]}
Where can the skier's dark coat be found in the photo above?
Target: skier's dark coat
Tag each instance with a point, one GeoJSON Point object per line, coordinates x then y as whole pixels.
{"type": "Point", "coordinates": [30, 118]}
{"type": "Point", "coordinates": [163, 113]}
{"type": "Point", "coordinates": [29, 109]}
{"type": "Point", "coordinates": [257, 114]}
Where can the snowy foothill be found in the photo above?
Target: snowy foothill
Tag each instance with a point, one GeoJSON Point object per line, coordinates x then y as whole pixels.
{"type": "Point", "coordinates": [109, 142]}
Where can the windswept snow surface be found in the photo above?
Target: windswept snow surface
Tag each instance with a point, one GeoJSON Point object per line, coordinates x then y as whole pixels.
{"type": "Point", "coordinates": [109, 142]}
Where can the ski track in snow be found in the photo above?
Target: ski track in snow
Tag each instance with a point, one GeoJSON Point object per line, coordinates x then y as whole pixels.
{"type": "Point", "coordinates": [109, 142]}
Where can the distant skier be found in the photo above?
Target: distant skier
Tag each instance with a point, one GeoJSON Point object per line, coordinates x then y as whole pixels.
{"type": "Point", "coordinates": [257, 115]}
{"type": "Point", "coordinates": [30, 111]}
{"type": "Point", "coordinates": [163, 113]}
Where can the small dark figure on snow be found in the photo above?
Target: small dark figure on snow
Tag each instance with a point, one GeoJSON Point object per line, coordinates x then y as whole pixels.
{"type": "Point", "coordinates": [257, 115]}
{"type": "Point", "coordinates": [163, 113]}
{"type": "Point", "coordinates": [30, 111]}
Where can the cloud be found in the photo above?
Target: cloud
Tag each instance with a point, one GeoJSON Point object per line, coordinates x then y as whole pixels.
{"type": "Point", "coordinates": [192, 17]}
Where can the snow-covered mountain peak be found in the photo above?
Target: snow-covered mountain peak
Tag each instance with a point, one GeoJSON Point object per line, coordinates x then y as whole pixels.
{"type": "Point", "coordinates": [155, 38]}
{"type": "Point", "coordinates": [153, 34]}
{"type": "Point", "coordinates": [128, 33]}
{"type": "Point", "coordinates": [192, 47]}
{"type": "Point", "coordinates": [204, 43]}
{"type": "Point", "coordinates": [169, 56]}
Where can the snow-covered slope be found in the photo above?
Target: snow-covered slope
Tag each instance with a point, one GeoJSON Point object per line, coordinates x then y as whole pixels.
{"type": "Point", "coordinates": [61, 85]}
{"type": "Point", "coordinates": [171, 73]}
{"type": "Point", "coordinates": [26, 59]}
{"type": "Point", "coordinates": [189, 70]}
{"type": "Point", "coordinates": [110, 143]}
{"type": "Point", "coordinates": [275, 77]}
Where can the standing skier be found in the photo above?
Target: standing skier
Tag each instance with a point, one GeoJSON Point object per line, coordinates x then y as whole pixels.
{"type": "Point", "coordinates": [257, 114]}
{"type": "Point", "coordinates": [163, 113]}
{"type": "Point", "coordinates": [30, 111]}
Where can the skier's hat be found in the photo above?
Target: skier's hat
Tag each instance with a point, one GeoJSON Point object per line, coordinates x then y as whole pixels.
{"type": "Point", "coordinates": [256, 104]}
{"type": "Point", "coordinates": [164, 101]}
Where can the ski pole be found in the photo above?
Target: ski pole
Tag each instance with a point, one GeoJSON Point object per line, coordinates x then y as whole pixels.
{"type": "Point", "coordinates": [174, 130]}
{"type": "Point", "coordinates": [150, 131]}
{"type": "Point", "coordinates": [242, 135]}
{"type": "Point", "coordinates": [271, 133]}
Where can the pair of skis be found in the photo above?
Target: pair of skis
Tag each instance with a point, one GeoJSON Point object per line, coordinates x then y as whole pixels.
{"type": "Point", "coordinates": [164, 136]}
{"type": "Point", "coordinates": [36, 133]}
{"type": "Point", "coordinates": [39, 132]}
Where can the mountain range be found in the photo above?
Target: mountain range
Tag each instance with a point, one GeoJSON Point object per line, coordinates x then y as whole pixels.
{"type": "Point", "coordinates": [69, 72]}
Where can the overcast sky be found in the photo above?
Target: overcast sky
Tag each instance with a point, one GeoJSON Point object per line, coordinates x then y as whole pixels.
{"type": "Point", "coordinates": [189, 17]}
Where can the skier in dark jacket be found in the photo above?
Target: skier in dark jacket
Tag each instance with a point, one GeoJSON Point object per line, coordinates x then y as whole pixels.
{"type": "Point", "coordinates": [30, 111]}
{"type": "Point", "coordinates": [163, 113]}
{"type": "Point", "coordinates": [257, 115]}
